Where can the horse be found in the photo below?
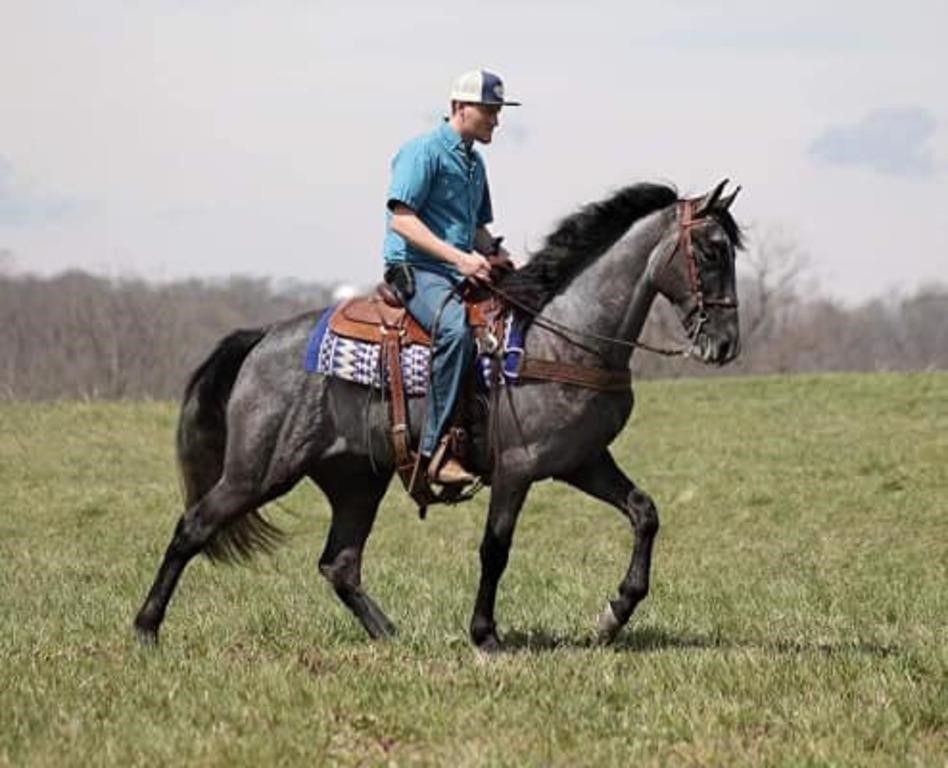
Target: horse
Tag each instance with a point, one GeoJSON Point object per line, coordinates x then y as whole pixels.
{"type": "Point", "coordinates": [253, 423]}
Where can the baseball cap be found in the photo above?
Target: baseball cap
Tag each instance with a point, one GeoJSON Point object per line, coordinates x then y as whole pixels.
{"type": "Point", "coordinates": [480, 87]}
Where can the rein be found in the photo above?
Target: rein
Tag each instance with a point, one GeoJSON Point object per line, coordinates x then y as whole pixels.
{"type": "Point", "coordinates": [565, 331]}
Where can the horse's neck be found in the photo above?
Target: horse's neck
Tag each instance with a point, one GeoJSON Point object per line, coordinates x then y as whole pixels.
{"type": "Point", "coordinates": [612, 296]}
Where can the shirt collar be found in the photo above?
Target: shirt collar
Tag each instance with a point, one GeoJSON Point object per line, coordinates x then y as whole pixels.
{"type": "Point", "coordinates": [450, 137]}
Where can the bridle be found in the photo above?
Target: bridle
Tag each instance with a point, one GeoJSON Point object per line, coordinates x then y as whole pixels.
{"type": "Point", "coordinates": [686, 223]}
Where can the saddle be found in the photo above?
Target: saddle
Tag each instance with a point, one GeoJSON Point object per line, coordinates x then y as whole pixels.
{"type": "Point", "coordinates": [382, 319]}
{"type": "Point", "coordinates": [374, 318]}
{"type": "Point", "coordinates": [382, 315]}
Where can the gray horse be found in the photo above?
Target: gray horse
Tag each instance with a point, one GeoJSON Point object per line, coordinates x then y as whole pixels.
{"type": "Point", "coordinates": [253, 423]}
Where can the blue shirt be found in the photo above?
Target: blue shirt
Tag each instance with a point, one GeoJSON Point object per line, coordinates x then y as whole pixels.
{"type": "Point", "coordinates": [445, 183]}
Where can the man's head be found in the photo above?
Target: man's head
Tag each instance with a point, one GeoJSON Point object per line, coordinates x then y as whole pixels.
{"type": "Point", "coordinates": [476, 100]}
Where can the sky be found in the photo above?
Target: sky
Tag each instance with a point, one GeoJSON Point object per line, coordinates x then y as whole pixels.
{"type": "Point", "coordinates": [205, 138]}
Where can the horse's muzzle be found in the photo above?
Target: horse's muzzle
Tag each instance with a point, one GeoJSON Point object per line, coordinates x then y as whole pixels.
{"type": "Point", "coordinates": [715, 334]}
{"type": "Point", "coordinates": [715, 349]}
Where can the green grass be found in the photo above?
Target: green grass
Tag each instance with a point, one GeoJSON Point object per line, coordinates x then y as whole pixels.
{"type": "Point", "coordinates": [799, 611]}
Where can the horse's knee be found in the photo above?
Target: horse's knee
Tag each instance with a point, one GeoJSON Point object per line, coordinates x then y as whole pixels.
{"type": "Point", "coordinates": [644, 513]}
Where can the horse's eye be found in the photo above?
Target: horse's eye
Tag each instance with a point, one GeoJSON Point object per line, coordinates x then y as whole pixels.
{"type": "Point", "coordinates": [715, 249]}
{"type": "Point", "coordinates": [709, 255]}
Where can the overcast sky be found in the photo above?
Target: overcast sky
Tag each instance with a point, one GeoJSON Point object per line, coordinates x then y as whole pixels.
{"type": "Point", "coordinates": [208, 137]}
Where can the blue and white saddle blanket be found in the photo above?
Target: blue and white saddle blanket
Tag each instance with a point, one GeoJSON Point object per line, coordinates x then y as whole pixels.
{"type": "Point", "coordinates": [360, 361]}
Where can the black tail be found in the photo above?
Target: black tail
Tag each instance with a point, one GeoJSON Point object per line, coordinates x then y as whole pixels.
{"type": "Point", "coordinates": [202, 441]}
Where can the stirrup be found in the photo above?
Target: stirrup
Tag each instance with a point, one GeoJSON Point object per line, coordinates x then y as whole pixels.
{"type": "Point", "coordinates": [445, 469]}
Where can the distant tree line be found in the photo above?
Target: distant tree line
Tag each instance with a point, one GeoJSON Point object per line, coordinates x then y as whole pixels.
{"type": "Point", "coordinates": [81, 336]}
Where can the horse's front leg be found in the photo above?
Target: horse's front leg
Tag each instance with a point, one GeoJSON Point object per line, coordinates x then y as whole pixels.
{"type": "Point", "coordinates": [506, 499]}
{"type": "Point", "coordinates": [601, 477]}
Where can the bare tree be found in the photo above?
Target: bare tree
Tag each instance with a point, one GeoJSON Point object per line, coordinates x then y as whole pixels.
{"type": "Point", "coordinates": [76, 335]}
{"type": "Point", "coordinates": [771, 272]}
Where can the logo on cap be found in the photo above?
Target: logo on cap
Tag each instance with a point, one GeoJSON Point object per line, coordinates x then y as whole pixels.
{"type": "Point", "coordinates": [499, 90]}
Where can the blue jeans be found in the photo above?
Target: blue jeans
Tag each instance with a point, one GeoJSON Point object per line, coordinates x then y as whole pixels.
{"type": "Point", "coordinates": [452, 349]}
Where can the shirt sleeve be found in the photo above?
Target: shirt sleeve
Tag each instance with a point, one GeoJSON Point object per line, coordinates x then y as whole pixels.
{"type": "Point", "coordinates": [412, 172]}
{"type": "Point", "coordinates": [485, 213]}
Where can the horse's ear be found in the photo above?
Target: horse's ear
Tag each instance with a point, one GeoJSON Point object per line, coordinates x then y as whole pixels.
{"type": "Point", "coordinates": [725, 202]}
{"type": "Point", "coordinates": [708, 201]}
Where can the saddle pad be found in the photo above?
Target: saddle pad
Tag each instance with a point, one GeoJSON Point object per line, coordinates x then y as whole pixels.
{"type": "Point", "coordinates": [359, 361]}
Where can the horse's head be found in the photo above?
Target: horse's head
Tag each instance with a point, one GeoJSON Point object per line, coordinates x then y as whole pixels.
{"type": "Point", "coordinates": [693, 268]}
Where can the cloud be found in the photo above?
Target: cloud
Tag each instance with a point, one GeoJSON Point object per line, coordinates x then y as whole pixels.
{"type": "Point", "coordinates": [889, 141]}
{"type": "Point", "coordinates": [19, 208]}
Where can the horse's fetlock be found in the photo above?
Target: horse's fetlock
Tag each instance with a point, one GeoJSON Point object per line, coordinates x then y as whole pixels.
{"type": "Point", "coordinates": [632, 595]}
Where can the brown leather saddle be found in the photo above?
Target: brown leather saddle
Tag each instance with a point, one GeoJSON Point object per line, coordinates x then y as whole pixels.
{"type": "Point", "coordinates": [380, 317]}
{"type": "Point", "coordinates": [374, 318]}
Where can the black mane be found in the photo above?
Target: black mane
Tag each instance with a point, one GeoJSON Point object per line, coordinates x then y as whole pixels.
{"type": "Point", "coordinates": [581, 238]}
{"type": "Point", "coordinates": [731, 228]}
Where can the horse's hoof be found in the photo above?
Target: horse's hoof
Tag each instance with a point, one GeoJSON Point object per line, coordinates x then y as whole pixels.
{"type": "Point", "coordinates": [490, 645]}
{"type": "Point", "coordinates": [147, 638]}
{"type": "Point", "coordinates": [389, 630]}
{"type": "Point", "coordinates": [608, 626]}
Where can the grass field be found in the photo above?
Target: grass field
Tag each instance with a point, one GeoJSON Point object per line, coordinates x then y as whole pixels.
{"type": "Point", "coordinates": [799, 611]}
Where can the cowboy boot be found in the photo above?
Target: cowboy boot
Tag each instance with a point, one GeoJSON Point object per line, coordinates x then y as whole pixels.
{"type": "Point", "coordinates": [445, 469]}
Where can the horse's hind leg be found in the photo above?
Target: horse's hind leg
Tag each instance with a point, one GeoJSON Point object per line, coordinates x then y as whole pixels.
{"type": "Point", "coordinates": [354, 494]}
{"type": "Point", "coordinates": [223, 505]}
{"type": "Point", "coordinates": [602, 478]}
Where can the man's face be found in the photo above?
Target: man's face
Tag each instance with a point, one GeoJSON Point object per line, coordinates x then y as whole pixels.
{"type": "Point", "coordinates": [478, 121]}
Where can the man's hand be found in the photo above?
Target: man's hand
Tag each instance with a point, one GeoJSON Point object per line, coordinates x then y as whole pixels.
{"type": "Point", "coordinates": [474, 265]}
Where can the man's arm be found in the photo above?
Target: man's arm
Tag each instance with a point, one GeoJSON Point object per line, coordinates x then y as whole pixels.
{"type": "Point", "coordinates": [405, 222]}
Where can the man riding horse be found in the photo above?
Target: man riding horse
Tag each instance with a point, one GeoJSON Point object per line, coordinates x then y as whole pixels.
{"type": "Point", "coordinates": [436, 237]}
{"type": "Point", "coordinates": [255, 422]}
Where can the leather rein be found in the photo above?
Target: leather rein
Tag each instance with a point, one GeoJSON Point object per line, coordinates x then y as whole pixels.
{"type": "Point", "coordinates": [610, 379]}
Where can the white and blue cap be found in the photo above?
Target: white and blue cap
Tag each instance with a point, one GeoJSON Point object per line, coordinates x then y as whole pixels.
{"type": "Point", "coordinates": [480, 87]}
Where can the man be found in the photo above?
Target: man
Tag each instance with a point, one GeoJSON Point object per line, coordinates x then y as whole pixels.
{"type": "Point", "coordinates": [436, 237]}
